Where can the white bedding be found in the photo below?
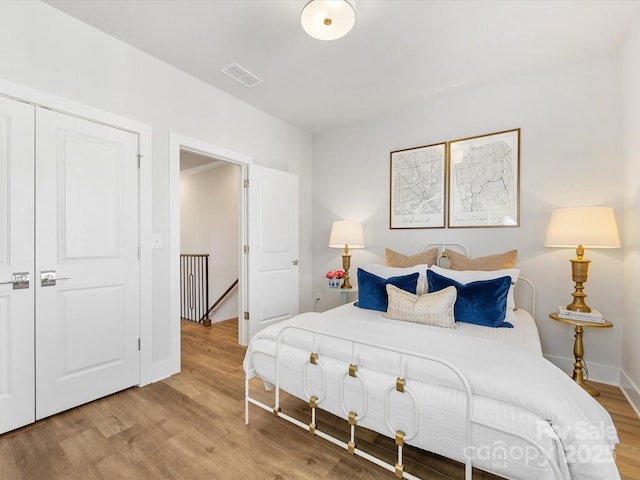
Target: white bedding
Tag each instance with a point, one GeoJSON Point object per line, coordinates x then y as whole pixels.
{"type": "Point", "coordinates": [513, 386]}
{"type": "Point", "coordinates": [524, 335]}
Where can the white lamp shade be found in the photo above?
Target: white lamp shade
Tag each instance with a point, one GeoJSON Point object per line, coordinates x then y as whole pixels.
{"type": "Point", "coordinates": [328, 19]}
{"type": "Point", "coordinates": [591, 227]}
{"type": "Point", "coordinates": [344, 232]}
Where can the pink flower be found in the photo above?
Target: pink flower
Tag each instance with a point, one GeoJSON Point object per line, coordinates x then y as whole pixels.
{"type": "Point", "coordinates": [335, 274]}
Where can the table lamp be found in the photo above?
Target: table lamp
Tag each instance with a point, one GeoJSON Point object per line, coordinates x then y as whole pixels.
{"type": "Point", "coordinates": [346, 234]}
{"type": "Point", "coordinates": [580, 228]}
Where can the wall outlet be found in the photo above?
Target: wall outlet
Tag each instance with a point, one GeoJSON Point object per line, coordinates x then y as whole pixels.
{"type": "Point", "coordinates": [318, 297]}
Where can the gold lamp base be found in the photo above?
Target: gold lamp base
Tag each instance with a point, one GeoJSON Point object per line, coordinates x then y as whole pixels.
{"type": "Point", "coordinates": [579, 270]}
{"type": "Point", "coordinates": [346, 264]}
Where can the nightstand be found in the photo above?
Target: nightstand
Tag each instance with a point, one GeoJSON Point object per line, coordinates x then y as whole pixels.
{"type": "Point", "coordinates": [578, 349]}
{"type": "Point", "coordinates": [344, 293]}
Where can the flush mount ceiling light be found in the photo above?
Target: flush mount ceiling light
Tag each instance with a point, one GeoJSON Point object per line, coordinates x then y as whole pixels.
{"type": "Point", "coordinates": [328, 19]}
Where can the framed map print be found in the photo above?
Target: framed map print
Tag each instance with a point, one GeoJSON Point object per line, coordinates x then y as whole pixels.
{"type": "Point", "coordinates": [484, 181]}
{"type": "Point", "coordinates": [418, 187]}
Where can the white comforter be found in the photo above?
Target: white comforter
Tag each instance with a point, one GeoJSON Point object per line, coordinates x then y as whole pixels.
{"type": "Point", "coordinates": [511, 387]}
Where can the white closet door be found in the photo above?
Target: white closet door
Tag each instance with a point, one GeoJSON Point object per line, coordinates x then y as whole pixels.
{"type": "Point", "coordinates": [87, 321]}
{"type": "Point", "coordinates": [17, 398]}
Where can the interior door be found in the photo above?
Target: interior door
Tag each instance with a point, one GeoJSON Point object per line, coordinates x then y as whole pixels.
{"type": "Point", "coordinates": [273, 247]}
{"type": "Point", "coordinates": [87, 285]}
{"type": "Point", "coordinates": [17, 396]}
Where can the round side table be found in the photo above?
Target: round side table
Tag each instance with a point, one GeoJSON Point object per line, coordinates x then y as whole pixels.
{"type": "Point", "coordinates": [578, 349]}
{"type": "Point", "coordinates": [344, 293]}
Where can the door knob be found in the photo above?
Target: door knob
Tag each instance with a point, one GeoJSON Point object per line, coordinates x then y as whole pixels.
{"type": "Point", "coordinates": [19, 280]}
{"type": "Point", "coordinates": [48, 278]}
{"type": "Point", "coordinates": [295, 260]}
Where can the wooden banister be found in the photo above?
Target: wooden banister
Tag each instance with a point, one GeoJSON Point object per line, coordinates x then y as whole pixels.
{"type": "Point", "coordinates": [207, 321]}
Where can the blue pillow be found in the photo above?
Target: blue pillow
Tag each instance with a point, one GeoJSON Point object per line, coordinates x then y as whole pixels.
{"type": "Point", "coordinates": [483, 302]}
{"type": "Point", "coordinates": [372, 289]}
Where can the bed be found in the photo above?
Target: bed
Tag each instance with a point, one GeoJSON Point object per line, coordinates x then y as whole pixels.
{"type": "Point", "coordinates": [482, 396]}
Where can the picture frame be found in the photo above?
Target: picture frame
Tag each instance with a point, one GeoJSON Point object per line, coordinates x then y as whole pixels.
{"type": "Point", "coordinates": [484, 181]}
{"type": "Point", "coordinates": [418, 187]}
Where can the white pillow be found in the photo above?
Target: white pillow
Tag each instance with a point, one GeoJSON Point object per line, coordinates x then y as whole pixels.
{"type": "Point", "coordinates": [387, 272]}
{"type": "Point", "coordinates": [431, 308]}
{"type": "Point", "coordinates": [468, 276]}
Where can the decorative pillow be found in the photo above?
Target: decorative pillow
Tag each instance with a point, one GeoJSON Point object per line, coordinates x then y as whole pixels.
{"type": "Point", "coordinates": [431, 309]}
{"type": "Point", "coordinates": [395, 259]}
{"type": "Point", "coordinates": [483, 302]}
{"type": "Point", "coordinates": [372, 293]}
{"type": "Point", "coordinates": [387, 272]}
{"type": "Point", "coordinates": [466, 276]}
{"type": "Point", "coordinates": [491, 262]}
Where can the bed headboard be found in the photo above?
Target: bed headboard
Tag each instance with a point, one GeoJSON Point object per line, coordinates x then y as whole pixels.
{"type": "Point", "coordinates": [525, 290]}
{"type": "Point", "coordinates": [442, 247]}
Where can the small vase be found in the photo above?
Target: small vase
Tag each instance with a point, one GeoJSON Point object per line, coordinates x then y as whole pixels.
{"type": "Point", "coordinates": [334, 283]}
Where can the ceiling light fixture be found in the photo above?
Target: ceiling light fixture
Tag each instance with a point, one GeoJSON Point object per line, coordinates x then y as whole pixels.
{"type": "Point", "coordinates": [328, 19]}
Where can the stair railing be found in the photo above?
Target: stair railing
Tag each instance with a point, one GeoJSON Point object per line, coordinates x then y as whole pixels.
{"type": "Point", "coordinates": [194, 286]}
{"type": "Point", "coordinates": [205, 317]}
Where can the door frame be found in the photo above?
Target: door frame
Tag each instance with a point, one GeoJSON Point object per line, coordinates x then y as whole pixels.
{"type": "Point", "coordinates": [179, 142]}
{"type": "Point", "coordinates": [147, 373]}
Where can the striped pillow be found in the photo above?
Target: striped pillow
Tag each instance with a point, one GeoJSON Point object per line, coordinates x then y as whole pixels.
{"type": "Point", "coordinates": [430, 309]}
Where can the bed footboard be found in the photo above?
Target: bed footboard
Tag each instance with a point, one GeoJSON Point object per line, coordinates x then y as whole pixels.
{"type": "Point", "coordinates": [400, 386]}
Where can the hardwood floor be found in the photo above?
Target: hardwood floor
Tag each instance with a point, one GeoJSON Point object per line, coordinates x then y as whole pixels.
{"type": "Point", "coordinates": [191, 426]}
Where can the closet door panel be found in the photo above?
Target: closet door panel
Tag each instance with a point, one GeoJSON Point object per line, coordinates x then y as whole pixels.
{"type": "Point", "coordinates": [17, 395]}
{"type": "Point", "coordinates": [87, 320]}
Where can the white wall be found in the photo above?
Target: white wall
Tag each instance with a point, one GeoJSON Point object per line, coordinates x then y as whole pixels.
{"type": "Point", "coordinates": [45, 49]}
{"type": "Point", "coordinates": [209, 223]}
{"type": "Point", "coordinates": [570, 155]}
{"type": "Point", "coordinates": [631, 240]}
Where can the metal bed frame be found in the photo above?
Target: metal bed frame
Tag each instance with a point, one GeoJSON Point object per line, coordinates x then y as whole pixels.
{"type": "Point", "coordinates": [400, 385]}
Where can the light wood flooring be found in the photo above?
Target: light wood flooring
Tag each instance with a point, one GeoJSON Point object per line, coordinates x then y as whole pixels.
{"type": "Point", "coordinates": [191, 426]}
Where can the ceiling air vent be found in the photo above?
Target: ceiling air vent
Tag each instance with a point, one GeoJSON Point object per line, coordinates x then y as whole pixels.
{"type": "Point", "coordinates": [241, 75]}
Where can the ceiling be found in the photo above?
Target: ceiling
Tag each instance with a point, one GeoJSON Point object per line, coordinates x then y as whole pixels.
{"type": "Point", "coordinates": [195, 163]}
{"type": "Point", "coordinates": [400, 52]}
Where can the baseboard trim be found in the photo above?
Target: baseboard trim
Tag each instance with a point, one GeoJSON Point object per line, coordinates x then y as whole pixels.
{"type": "Point", "coordinates": [631, 391]}
{"type": "Point", "coordinates": [597, 372]}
